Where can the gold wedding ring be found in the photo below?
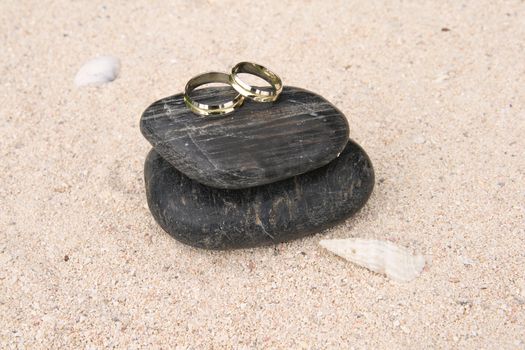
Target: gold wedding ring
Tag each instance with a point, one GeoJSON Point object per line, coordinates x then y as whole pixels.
{"type": "Point", "coordinates": [252, 92]}
{"type": "Point", "coordinates": [204, 109]}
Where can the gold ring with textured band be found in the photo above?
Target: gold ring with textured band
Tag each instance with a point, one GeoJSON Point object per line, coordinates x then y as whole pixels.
{"type": "Point", "coordinates": [252, 92]}
{"type": "Point", "coordinates": [204, 109]}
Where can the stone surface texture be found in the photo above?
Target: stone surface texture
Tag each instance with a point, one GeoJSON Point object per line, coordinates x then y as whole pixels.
{"type": "Point", "coordinates": [213, 218]}
{"type": "Point", "coordinates": [258, 144]}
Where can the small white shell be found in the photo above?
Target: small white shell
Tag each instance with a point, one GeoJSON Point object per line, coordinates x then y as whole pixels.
{"type": "Point", "coordinates": [398, 263]}
{"type": "Point", "coordinates": [98, 71]}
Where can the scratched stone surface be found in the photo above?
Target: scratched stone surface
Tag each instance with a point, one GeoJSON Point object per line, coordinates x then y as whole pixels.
{"type": "Point", "coordinates": [260, 143]}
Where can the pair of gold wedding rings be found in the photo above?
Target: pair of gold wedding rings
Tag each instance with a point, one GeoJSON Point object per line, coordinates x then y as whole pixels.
{"type": "Point", "coordinates": [243, 89]}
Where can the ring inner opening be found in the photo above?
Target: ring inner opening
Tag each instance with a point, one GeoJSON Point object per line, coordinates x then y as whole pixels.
{"type": "Point", "coordinates": [255, 81]}
{"type": "Point", "coordinates": [213, 94]}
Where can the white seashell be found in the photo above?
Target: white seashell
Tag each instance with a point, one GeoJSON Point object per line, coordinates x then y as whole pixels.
{"type": "Point", "coordinates": [98, 71]}
{"type": "Point", "coordinates": [398, 263]}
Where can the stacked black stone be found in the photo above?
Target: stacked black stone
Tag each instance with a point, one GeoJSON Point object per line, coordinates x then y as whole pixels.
{"type": "Point", "coordinates": [267, 173]}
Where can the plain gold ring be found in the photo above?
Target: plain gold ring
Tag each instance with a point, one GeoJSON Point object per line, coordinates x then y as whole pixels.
{"type": "Point", "coordinates": [204, 109]}
{"type": "Point", "coordinates": [252, 92]}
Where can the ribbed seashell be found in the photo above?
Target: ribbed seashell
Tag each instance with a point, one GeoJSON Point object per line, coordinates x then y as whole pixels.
{"type": "Point", "coordinates": [396, 262]}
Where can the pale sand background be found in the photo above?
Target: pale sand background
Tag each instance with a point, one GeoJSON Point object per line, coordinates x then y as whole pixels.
{"type": "Point", "coordinates": [440, 113]}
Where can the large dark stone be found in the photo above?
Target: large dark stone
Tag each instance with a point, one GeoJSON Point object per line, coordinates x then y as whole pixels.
{"type": "Point", "coordinates": [214, 218]}
{"type": "Point", "coordinates": [258, 144]}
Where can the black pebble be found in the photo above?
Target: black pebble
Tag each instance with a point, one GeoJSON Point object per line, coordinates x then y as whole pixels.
{"type": "Point", "coordinates": [213, 218]}
{"type": "Point", "coordinates": [258, 144]}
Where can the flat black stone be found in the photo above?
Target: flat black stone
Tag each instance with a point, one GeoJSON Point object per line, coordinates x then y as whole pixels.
{"type": "Point", "coordinates": [258, 144]}
{"type": "Point", "coordinates": [213, 218]}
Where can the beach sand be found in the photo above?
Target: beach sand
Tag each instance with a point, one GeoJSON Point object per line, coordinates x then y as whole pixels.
{"type": "Point", "coordinates": [433, 90]}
